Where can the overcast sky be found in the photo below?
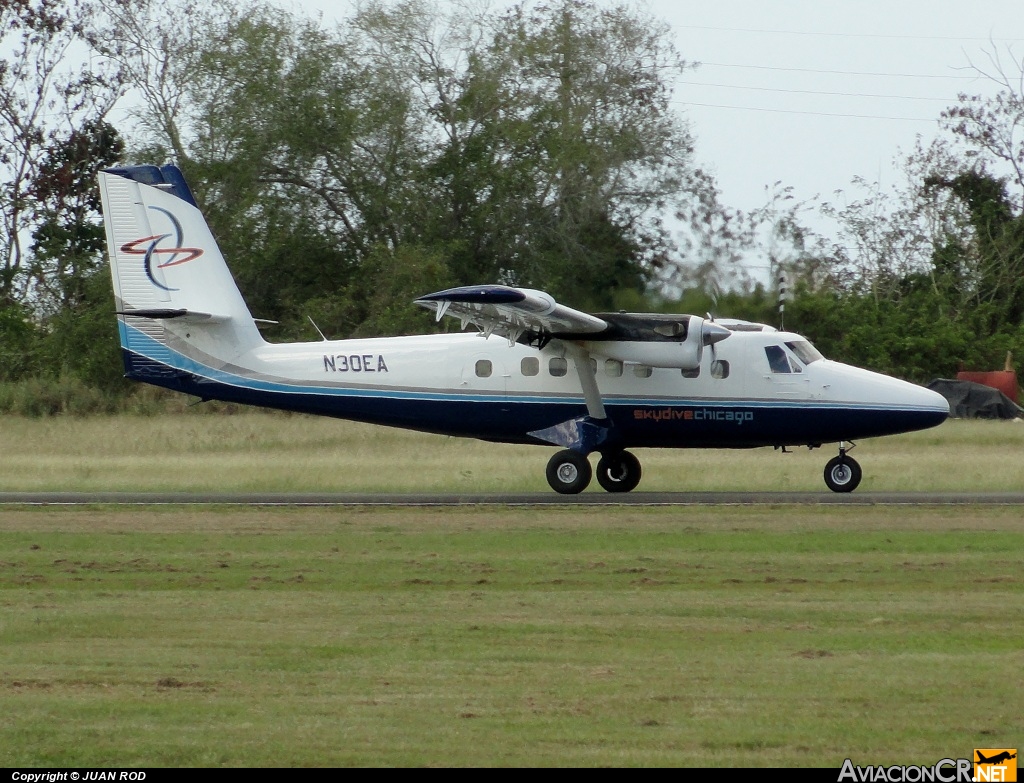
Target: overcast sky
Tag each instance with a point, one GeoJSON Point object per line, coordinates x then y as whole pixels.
{"type": "Point", "coordinates": [812, 93]}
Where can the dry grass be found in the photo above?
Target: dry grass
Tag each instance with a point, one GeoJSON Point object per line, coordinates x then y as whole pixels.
{"type": "Point", "coordinates": [271, 452]}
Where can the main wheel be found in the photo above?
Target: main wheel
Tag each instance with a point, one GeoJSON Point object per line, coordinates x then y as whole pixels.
{"type": "Point", "coordinates": [618, 472]}
{"type": "Point", "coordinates": [842, 474]}
{"type": "Point", "coordinates": [568, 472]}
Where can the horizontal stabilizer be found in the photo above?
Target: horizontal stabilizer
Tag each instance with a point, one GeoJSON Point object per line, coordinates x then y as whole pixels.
{"type": "Point", "coordinates": [184, 315]}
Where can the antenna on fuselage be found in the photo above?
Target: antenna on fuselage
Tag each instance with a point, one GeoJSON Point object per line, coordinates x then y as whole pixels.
{"type": "Point", "coordinates": [317, 328]}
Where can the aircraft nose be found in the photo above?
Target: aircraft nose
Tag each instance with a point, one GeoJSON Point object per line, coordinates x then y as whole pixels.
{"type": "Point", "coordinates": [906, 406]}
{"type": "Point", "coordinates": [938, 400]}
{"type": "Point", "coordinates": [929, 402]}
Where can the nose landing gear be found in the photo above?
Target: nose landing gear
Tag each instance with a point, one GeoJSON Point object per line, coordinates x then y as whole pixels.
{"type": "Point", "coordinates": [842, 473]}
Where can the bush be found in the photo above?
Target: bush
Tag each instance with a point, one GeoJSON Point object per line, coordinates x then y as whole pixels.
{"type": "Point", "coordinates": [51, 396]}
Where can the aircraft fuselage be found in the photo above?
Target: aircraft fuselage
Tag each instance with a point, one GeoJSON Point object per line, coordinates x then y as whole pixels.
{"type": "Point", "coordinates": [465, 385]}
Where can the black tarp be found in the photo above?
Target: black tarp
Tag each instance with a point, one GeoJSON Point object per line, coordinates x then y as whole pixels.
{"type": "Point", "coordinates": [968, 400]}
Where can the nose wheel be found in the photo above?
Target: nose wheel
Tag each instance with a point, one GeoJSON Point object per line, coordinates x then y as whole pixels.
{"type": "Point", "coordinates": [842, 473]}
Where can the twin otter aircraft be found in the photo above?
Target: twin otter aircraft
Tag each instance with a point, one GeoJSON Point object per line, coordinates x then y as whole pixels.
{"type": "Point", "coordinates": [552, 375]}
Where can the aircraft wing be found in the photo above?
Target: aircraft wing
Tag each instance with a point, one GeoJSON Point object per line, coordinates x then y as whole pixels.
{"type": "Point", "coordinates": [510, 311]}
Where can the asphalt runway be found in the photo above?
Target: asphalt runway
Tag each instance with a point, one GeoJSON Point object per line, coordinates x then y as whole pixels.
{"type": "Point", "coordinates": [530, 499]}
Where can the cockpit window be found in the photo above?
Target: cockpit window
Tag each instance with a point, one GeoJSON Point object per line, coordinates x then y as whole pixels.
{"type": "Point", "coordinates": [806, 352]}
{"type": "Point", "coordinates": [777, 359]}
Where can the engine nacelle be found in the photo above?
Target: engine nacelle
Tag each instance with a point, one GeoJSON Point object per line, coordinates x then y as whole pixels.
{"type": "Point", "coordinates": [678, 356]}
{"type": "Point", "coordinates": [675, 342]}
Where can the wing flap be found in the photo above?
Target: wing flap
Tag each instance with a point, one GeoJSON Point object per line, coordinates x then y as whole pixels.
{"type": "Point", "coordinates": [510, 311]}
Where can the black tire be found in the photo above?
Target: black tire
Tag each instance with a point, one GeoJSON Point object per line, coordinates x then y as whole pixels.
{"type": "Point", "coordinates": [618, 472]}
{"type": "Point", "coordinates": [569, 473]}
{"type": "Point", "coordinates": [842, 474]}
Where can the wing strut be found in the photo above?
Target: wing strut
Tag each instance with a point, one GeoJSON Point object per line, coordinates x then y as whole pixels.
{"type": "Point", "coordinates": [583, 434]}
{"type": "Point", "coordinates": [588, 380]}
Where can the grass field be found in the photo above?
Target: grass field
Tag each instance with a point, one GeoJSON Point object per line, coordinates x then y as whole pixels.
{"type": "Point", "coordinates": [260, 451]}
{"type": "Point", "coordinates": [725, 636]}
{"type": "Point", "coordinates": [795, 636]}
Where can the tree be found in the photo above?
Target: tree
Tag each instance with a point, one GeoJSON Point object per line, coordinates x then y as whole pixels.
{"type": "Point", "coordinates": [554, 149]}
{"type": "Point", "coordinates": [931, 271]}
{"type": "Point", "coordinates": [73, 299]}
{"type": "Point", "coordinates": [45, 92]}
{"type": "Point", "coordinates": [156, 49]}
{"type": "Point", "coordinates": [283, 154]}
{"type": "Point", "coordinates": [536, 147]}
{"type": "Point", "coordinates": [993, 285]}
{"type": "Point", "coordinates": [297, 163]}
{"type": "Point", "coordinates": [68, 240]}
{"type": "Point", "coordinates": [991, 128]}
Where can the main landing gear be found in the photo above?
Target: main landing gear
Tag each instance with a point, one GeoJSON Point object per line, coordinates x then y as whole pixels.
{"type": "Point", "coordinates": [842, 473]}
{"type": "Point", "coordinates": [569, 472]}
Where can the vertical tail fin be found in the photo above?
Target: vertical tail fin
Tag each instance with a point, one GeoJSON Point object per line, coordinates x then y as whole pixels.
{"type": "Point", "coordinates": [175, 297]}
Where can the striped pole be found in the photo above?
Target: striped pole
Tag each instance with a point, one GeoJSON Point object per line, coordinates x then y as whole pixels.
{"type": "Point", "coordinates": [783, 295]}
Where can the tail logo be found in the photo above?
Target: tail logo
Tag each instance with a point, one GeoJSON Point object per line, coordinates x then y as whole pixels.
{"type": "Point", "coordinates": [148, 247]}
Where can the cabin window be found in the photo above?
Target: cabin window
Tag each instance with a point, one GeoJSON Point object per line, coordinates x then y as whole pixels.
{"type": "Point", "coordinates": [593, 367]}
{"type": "Point", "coordinates": [777, 359]}
{"type": "Point", "coordinates": [719, 369]}
{"type": "Point", "coordinates": [613, 368]}
{"type": "Point", "coordinates": [557, 366]}
{"type": "Point", "coordinates": [530, 365]}
{"type": "Point", "coordinates": [694, 373]}
{"type": "Point", "coordinates": [484, 368]}
{"type": "Point", "coordinates": [642, 371]}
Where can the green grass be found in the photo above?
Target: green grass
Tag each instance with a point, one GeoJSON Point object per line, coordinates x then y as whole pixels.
{"type": "Point", "coordinates": [729, 636]}
{"type": "Point", "coordinates": [684, 636]}
{"type": "Point", "coordinates": [261, 451]}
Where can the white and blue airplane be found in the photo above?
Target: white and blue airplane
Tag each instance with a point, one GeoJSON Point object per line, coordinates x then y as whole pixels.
{"type": "Point", "coordinates": [548, 375]}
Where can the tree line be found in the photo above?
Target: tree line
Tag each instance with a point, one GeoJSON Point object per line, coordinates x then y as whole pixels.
{"type": "Point", "coordinates": [348, 169]}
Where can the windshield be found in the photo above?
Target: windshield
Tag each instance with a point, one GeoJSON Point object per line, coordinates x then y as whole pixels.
{"type": "Point", "coordinates": [806, 352]}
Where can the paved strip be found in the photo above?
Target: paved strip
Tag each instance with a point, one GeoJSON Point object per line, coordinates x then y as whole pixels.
{"type": "Point", "coordinates": [530, 499]}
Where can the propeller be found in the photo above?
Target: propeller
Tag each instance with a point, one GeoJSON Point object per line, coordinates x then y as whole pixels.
{"type": "Point", "coordinates": [711, 334]}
